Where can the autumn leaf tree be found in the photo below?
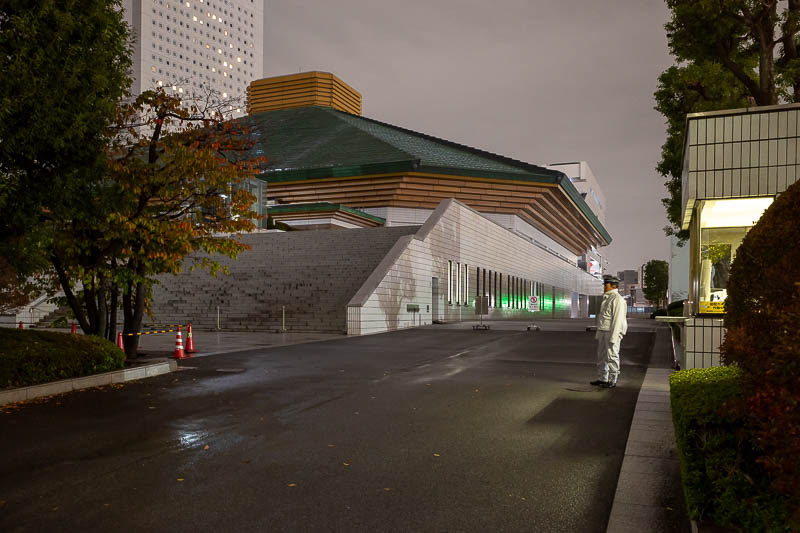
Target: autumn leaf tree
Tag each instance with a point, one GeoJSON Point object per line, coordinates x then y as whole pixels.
{"type": "Point", "coordinates": [173, 188]}
{"type": "Point", "coordinates": [729, 54]}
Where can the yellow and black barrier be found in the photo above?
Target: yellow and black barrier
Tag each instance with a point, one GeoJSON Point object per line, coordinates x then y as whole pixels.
{"type": "Point", "coordinates": [155, 332]}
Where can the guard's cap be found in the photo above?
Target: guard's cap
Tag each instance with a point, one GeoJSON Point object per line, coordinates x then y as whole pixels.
{"type": "Point", "coordinates": [613, 280]}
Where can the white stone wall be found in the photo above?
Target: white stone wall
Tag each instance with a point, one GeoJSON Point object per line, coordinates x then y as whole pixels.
{"type": "Point", "coordinates": [459, 234]}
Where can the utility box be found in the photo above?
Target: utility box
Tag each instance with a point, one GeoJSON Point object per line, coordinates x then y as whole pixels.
{"type": "Point", "coordinates": [412, 308]}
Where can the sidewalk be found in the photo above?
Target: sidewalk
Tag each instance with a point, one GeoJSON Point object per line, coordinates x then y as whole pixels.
{"type": "Point", "coordinates": [649, 494]}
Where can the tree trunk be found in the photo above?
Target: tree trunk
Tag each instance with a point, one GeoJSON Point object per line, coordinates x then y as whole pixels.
{"type": "Point", "coordinates": [766, 74]}
{"type": "Point", "coordinates": [112, 319]}
{"type": "Point", "coordinates": [102, 308]}
{"type": "Point", "coordinates": [133, 309]}
{"type": "Point", "coordinates": [72, 300]}
{"type": "Point", "coordinates": [764, 32]}
{"type": "Point", "coordinates": [89, 303]}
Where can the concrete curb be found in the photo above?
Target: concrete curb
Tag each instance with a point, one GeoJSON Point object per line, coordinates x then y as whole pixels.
{"type": "Point", "coordinates": [22, 394]}
{"type": "Point", "coordinates": [651, 457]}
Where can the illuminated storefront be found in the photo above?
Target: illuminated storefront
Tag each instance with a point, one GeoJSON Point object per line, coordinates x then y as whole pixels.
{"type": "Point", "coordinates": [735, 163]}
{"type": "Point", "coordinates": [722, 226]}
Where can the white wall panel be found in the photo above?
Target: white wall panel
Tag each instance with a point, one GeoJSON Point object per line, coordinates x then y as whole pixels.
{"type": "Point", "coordinates": [463, 236]}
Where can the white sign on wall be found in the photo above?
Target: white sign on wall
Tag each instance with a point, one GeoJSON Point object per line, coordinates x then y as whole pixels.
{"type": "Point", "coordinates": [533, 304]}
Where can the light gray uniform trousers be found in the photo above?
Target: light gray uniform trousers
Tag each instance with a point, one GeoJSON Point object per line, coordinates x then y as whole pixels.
{"type": "Point", "coordinates": [608, 356]}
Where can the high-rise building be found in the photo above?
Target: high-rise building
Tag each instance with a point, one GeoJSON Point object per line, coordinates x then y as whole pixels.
{"type": "Point", "coordinates": [189, 45]}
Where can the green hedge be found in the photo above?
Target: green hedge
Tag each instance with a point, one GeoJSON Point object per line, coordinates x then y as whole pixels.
{"type": "Point", "coordinates": [30, 357]}
{"type": "Point", "coordinates": [722, 481]}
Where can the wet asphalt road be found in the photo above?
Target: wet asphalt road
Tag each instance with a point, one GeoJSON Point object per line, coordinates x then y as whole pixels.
{"type": "Point", "coordinates": [434, 429]}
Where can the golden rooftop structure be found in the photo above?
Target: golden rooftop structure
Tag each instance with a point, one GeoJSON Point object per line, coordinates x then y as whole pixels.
{"type": "Point", "coordinates": [302, 90]}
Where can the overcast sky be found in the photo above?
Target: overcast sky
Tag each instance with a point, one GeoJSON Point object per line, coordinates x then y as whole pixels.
{"type": "Point", "coordinates": [543, 81]}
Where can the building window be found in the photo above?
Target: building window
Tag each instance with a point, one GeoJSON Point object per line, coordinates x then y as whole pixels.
{"type": "Point", "coordinates": [450, 282]}
{"type": "Point", "coordinates": [458, 283]}
{"type": "Point", "coordinates": [500, 293]}
{"type": "Point", "coordinates": [466, 285]}
{"type": "Point", "coordinates": [490, 292]}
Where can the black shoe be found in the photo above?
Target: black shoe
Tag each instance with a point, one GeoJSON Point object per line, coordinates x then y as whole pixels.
{"type": "Point", "coordinates": [608, 385]}
{"type": "Point", "coordinates": [598, 383]}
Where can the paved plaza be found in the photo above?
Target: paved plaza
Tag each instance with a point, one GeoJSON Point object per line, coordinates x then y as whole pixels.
{"type": "Point", "coordinates": [440, 428]}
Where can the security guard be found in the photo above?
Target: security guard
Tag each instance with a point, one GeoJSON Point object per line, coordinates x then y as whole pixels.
{"type": "Point", "coordinates": [611, 327]}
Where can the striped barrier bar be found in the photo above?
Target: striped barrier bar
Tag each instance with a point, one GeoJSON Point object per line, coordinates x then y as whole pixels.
{"type": "Point", "coordinates": [150, 332]}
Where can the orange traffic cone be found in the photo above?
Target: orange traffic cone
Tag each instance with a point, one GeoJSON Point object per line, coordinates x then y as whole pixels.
{"type": "Point", "coordinates": [179, 354]}
{"type": "Point", "coordinates": [20, 325]}
{"type": "Point", "coordinates": [120, 344]}
{"type": "Point", "coordinates": [73, 330]}
{"type": "Point", "coordinates": [189, 340]}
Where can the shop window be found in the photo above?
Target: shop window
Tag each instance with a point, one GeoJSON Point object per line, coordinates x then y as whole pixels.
{"type": "Point", "coordinates": [717, 251]}
{"type": "Point", "coordinates": [723, 225]}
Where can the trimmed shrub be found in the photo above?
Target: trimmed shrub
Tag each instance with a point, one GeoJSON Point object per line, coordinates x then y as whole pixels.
{"type": "Point", "coordinates": [763, 339]}
{"type": "Point", "coordinates": [721, 480]}
{"type": "Point", "coordinates": [30, 357]}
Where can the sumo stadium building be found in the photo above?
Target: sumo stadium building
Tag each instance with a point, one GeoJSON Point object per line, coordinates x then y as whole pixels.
{"type": "Point", "coordinates": [393, 228]}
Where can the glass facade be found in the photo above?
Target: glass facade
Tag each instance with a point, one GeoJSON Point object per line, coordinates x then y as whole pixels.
{"type": "Point", "coordinates": [721, 227]}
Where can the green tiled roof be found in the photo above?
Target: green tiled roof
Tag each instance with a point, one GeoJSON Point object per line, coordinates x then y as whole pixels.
{"type": "Point", "coordinates": [322, 206]}
{"type": "Point", "coordinates": [319, 142]}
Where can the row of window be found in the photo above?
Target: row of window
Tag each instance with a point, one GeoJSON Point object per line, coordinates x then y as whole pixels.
{"type": "Point", "coordinates": [169, 29]}
{"type": "Point", "coordinates": [208, 35]}
{"type": "Point", "coordinates": [503, 291]}
{"type": "Point", "coordinates": [204, 3]}
{"type": "Point", "coordinates": [210, 57]}
{"type": "Point", "coordinates": [212, 17]}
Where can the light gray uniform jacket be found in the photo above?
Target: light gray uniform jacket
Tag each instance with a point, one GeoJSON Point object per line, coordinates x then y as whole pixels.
{"type": "Point", "coordinates": [611, 317]}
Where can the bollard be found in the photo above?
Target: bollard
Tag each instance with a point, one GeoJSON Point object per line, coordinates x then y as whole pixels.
{"type": "Point", "coordinates": [73, 330]}
{"type": "Point", "coordinates": [20, 325]}
{"type": "Point", "coordinates": [120, 344]}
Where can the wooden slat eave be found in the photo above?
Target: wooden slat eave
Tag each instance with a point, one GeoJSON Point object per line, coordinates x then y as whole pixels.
{"type": "Point", "coordinates": [586, 228]}
{"type": "Point", "coordinates": [544, 223]}
{"type": "Point", "coordinates": [576, 225]}
{"type": "Point", "coordinates": [600, 239]}
{"type": "Point", "coordinates": [547, 209]}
